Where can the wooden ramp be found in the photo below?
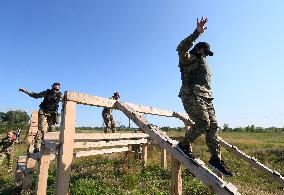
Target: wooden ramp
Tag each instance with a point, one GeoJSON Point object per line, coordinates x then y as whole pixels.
{"type": "Point", "coordinates": [196, 166]}
{"type": "Point", "coordinates": [253, 161]}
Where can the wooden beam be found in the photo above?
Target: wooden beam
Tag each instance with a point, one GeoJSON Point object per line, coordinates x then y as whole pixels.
{"type": "Point", "coordinates": [164, 159]}
{"type": "Point", "coordinates": [54, 136]}
{"type": "Point", "coordinates": [92, 100]}
{"type": "Point", "coordinates": [41, 184]}
{"type": "Point", "coordinates": [196, 166]}
{"type": "Point", "coordinates": [176, 181]}
{"type": "Point", "coordinates": [108, 143]}
{"type": "Point", "coordinates": [28, 178]}
{"type": "Point", "coordinates": [100, 151]}
{"type": "Point", "coordinates": [253, 161]}
{"type": "Point", "coordinates": [81, 98]}
{"type": "Point", "coordinates": [67, 135]}
{"type": "Point", "coordinates": [145, 154]}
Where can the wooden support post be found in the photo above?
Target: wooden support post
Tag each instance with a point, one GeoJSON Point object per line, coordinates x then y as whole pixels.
{"type": "Point", "coordinates": [176, 177]}
{"type": "Point", "coordinates": [164, 159]}
{"type": "Point", "coordinates": [42, 175]}
{"type": "Point", "coordinates": [66, 138]}
{"type": "Point", "coordinates": [144, 154]}
{"type": "Point", "coordinates": [28, 179]}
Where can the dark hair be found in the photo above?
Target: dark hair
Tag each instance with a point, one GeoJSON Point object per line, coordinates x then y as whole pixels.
{"type": "Point", "coordinates": [54, 84]}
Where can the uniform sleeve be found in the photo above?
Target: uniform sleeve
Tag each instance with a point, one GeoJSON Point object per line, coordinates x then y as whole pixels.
{"type": "Point", "coordinates": [37, 95]}
{"type": "Point", "coordinates": [185, 45]}
{"type": "Point", "coordinates": [1, 142]}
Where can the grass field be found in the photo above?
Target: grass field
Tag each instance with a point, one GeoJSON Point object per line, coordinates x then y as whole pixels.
{"type": "Point", "coordinates": [115, 174]}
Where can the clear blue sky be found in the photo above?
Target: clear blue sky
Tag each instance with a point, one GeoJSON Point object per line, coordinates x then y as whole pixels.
{"type": "Point", "coordinates": [98, 47]}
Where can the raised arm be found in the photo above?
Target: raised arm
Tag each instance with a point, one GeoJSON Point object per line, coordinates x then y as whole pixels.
{"type": "Point", "coordinates": [187, 43]}
{"type": "Point", "coordinates": [32, 94]}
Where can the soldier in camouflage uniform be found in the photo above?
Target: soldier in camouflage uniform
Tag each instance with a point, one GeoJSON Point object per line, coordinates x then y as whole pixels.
{"type": "Point", "coordinates": [48, 110]}
{"type": "Point", "coordinates": [108, 118]}
{"type": "Point", "coordinates": [196, 97]}
{"type": "Point", "coordinates": [7, 149]}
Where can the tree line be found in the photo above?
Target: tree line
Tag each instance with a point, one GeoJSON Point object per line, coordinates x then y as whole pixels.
{"type": "Point", "coordinates": [13, 119]}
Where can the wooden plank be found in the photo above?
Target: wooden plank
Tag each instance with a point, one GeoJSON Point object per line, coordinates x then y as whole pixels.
{"type": "Point", "coordinates": [92, 100]}
{"type": "Point", "coordinates": [41, 184]}
{"type": "Point", "coordinates": [28, 179]}
{"type": "Point", "coordinates": [176, 182]}
{"type": "Point", "coordinates": [145, 154]}
{"type": "Point", "coordinates": [67, 135]}
{"type": "Point", "coordinates": [108, 143]}
{"type": "Point", "coordinates": [53, 136]}
{"type": "Point", "coordinates": [196, 166]}
{"type": "Point", "coordinates": [81, 98]}
{"type": "Point", "coordinates": [254, 162]}
{"type": "Point", "coordinates": [164, 159]}
{"type": "Point", "coordinates": [100, 151]}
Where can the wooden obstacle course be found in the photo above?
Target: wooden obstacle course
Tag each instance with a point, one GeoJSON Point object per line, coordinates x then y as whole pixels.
{"type": "Point", "coordinates": [68, 140]}
{"type": "Point", "coordinates": [197, 167]}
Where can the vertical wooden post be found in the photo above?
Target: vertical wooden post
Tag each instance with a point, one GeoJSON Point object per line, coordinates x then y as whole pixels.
{"type": "Point", "coordinates": [67, 134]}
{"type": "Point", "coordinates": [176, 177]}
{"type": "Point", "coordinates": [164, 159]}
{"type": "Point", "coordinates": [28, 178]}
{"type": "Point", "coordinates": [144, 154]}
{"type": "Point", "coordinates": [42, 175]}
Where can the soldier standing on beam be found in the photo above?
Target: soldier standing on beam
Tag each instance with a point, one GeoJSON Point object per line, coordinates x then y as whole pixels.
{"type": "Point", "coordinates": [108, 118]}
{"type": "Point", "coordinates": [196, 97]}
{"type": "Point", "coordinates": [48, 110]}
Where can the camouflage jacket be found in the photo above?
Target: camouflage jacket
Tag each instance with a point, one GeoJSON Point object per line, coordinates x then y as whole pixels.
{"type": "Point", "coordinates": [107, 111]}
{"type": "Point", "coordinates": [195, 71]}
{"type": "Point", "coordinates": [7, 145]}
{"type": "Point", "coordinates": [50, 101]}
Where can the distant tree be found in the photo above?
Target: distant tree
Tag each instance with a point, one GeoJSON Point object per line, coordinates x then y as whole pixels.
{"type": "Point", "coordinates": [226, 127]}
{"type": "Point", "coordinates": [14, 119]}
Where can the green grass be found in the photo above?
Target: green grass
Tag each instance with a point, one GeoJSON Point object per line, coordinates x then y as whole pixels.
{"type": "Point", "coordinates": [115, 174]}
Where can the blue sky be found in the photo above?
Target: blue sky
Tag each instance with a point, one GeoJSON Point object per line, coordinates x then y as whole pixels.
{"type": "Point", "coordinates": [98, 47]}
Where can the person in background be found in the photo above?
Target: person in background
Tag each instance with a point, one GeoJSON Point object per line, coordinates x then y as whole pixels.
{"type": "Point", "coordinates": [108, 118]}
{"type": "Point", "coordinates": [7, 149]}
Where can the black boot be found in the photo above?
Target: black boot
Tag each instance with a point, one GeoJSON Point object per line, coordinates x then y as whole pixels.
{"type": "Point", "coordinates": [219, 165]}
{"type": "Point", "coordinates": [185, 150]}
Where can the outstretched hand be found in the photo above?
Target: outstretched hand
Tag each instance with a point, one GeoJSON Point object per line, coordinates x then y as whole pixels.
{"type": "Point", "coordinates": [201, 24]}
{"type": "Point", "coordinates": [22, 90]}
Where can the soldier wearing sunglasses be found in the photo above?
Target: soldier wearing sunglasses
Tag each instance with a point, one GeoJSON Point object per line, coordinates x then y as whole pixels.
{"type": "Point", "coordinates": [48, 110]}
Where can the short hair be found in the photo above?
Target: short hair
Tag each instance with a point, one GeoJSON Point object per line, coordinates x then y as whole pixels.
{"type": "Point", "coordinates": [54, 84]}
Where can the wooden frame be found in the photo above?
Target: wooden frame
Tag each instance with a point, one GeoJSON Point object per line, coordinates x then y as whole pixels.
{"type": "Point", "coordinates": [69, 140]}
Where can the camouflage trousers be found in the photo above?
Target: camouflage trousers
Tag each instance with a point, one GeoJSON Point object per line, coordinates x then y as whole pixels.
{"type": "Point", "coordinates": [201, 111]}
{"type": "Point", "coordinates": [46, 123]}
{"type": "Point", "coordinates": [109, 123]}
{"type": "Point", "coordinates": [9, 155]}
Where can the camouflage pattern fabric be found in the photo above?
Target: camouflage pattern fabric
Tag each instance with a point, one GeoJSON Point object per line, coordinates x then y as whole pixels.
{"type": "Point", "coordinates": [46, 123]}
{"type": "Point", "coordinates": [108, 121]}
{"type": "Point", "coordinates": [202, 112]}
{"type": "Point", "coordinates": [196, 96]}
{"type": "Point", "coordinates": [47, 113]}
{"type": "Point", "coordinates": [50, 101]}
{"type": "Point", "coordinates": [7, 150]}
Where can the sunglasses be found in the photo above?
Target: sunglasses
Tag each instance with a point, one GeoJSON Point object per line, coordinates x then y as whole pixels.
{"type": "Point", "coordinates": [56, 89]}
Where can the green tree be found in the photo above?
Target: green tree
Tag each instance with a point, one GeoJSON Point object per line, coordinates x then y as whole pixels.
{"type": "Point", "coordinates": [14, 119]}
